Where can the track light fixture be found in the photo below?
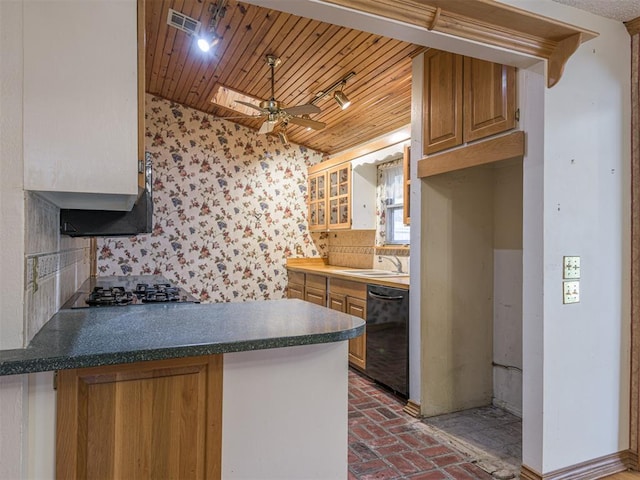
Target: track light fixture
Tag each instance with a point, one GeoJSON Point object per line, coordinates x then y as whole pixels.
{"type": "Point", "coordinates": [341, 99]}
{"type": "Point", "coordinates": [206, 44]}
{"type": "Point", "coordinates": [283, 138]}
{"type": "Point", "coordinates": [282, 133]}
{"type": "Point", "coordinates": [339, 96]}
{"type": "Point", "coordinates": [210, 39]}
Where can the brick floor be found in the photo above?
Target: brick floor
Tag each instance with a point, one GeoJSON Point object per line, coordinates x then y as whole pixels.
{"type": "Point", "coordinates": [385, 443]}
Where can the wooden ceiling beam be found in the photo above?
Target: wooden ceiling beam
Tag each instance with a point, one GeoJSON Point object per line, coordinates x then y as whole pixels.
{"type": "Point", "coordinates": [485, 21]}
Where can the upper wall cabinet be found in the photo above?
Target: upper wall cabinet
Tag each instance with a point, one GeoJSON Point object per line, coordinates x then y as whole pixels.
{"type": "Point", "coordinates": [329, 199]}
{"type": "Point", "coordinates": [81, 102]}
{"type": "Point", "coordinates": [465, 99]}
{"type": "Point", "coordinates": [339, 198]}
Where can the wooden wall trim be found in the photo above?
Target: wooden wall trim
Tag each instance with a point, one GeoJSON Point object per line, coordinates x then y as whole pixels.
{"type": "Point", "coordinates": [633, 26]}
{"type": "Point", "coordinates": [413, 408]}
{"type": "Point", "coordinates": [484, 21]}
{"type": "Point", "coordinates": [393, 138]}
{"type": "Point", "coordinates": [479, 153]}
{"type": "Point", "coordinates": [634, 434]}
{"type": "Point", "coordinates": [589, 470]}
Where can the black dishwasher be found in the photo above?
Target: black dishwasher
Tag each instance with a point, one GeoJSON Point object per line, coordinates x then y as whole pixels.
{"type": "Point", "coordinates": [388, 337]}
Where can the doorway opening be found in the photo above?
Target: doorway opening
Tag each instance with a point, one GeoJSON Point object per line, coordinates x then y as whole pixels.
{"type": "Point", "coordinates": [472, 322]}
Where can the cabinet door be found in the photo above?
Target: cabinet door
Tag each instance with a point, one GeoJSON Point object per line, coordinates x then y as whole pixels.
{"type": "Point", "coordinates": [317, 201]}
{"type": "Point", "coordinates": [337, 302]}
{"type": "Point", "coordinates": [80, 103]}
{"type": "Point", "coordinates": [159, 419]}
{"type": "Point", "coordinates": [339, 196]}
{"type": "Point", "coordinates": [357, 346]}
{"type": "Point", "coordinates": [442, 101]}
{"type": "Point", "coordinates": [489, 98]}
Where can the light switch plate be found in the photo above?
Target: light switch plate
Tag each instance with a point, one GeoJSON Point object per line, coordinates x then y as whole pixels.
{"type": "Point", "coordinates": [570, 267]}
{"type": "Point", "coordinates": [571, 292]}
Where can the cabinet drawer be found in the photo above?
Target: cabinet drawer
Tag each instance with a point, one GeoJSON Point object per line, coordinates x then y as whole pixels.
{"type": "Point", "coordinates": [317, 296]}
{"type": "Point", "coordinates": [296, 277]}
{"type": "Point", "coordinates": [295, 290]}
{"type": "Point", "coordinates": [346, 287]}
{"type": "Point", "coordinates": [316, 281]}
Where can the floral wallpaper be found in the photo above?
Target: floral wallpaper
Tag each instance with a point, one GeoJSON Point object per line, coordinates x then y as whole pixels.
{"type": "Point", "coordinates": [229, 208]}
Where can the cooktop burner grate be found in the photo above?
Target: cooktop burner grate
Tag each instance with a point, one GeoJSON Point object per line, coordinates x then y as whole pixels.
{"type": "Point", "coordinates": [102, 296]}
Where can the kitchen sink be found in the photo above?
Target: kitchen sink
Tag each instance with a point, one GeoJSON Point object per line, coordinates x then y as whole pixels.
{"type": "Point", "coordinates": [372, 273]}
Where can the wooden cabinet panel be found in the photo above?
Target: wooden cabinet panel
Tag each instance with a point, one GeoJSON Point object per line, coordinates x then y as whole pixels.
{"type": "Point", "coordinates": [315, 295]}
{"type": "Point", "coordinates": [442, 101]}
{"type": "Point", "coordinates": [465, 99]}
{"type": "Point", "coordinates": [357, 346]}
{"type": "Point", "coordinates": [406, 171]}
{"type": "Point", "coordinates": [489, 98]}
{"type": "Point", "coordinates": [160, 419]}
{"type": "Point", "coordinates": [337, 302]}
{"type": "Point", "coordinates": [351, 297]}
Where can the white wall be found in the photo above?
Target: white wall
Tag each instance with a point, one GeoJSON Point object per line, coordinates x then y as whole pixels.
{"type": "Point", "coordinates": [269, 422]}
{"type": "Point", "coordinates": [576, 202]}
{"type": "Point", "coordinates": [29, 243]}
{"type": "Point", "coordinates": [12, 389]}
{"type": "Point", "coordinates": [507, 286]}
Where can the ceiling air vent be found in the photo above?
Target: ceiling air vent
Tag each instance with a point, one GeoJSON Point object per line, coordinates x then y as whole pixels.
{"type": "Point", "coordinates": [182, 22]}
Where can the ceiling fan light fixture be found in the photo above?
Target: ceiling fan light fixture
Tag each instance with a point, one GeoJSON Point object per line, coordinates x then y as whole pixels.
{"type": "Point", "coordinates": [341, 99]}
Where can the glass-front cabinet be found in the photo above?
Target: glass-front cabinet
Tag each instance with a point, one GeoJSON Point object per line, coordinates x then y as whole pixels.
{"type": "Point", "coordinates": [339, 196]}
{"type": "Point", "coordinates": [330, 198]}
{"type": "Point", "coordinates": [318, 201]}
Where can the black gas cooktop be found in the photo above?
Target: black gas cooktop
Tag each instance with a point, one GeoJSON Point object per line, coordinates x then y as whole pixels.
{"type": "Point", "coordinates": [128, 290]}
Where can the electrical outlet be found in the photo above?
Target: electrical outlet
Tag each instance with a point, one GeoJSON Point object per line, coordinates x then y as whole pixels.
{"type": "Point", "coordinates": [571, 292]}
{"type": "Point", "coordinates": [571, 267]}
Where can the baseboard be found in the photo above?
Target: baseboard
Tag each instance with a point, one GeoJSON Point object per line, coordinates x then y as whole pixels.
{"type": "Point", "coordinates": [589, 470]}
{"type": "Point", "coordinates": [412, 408]}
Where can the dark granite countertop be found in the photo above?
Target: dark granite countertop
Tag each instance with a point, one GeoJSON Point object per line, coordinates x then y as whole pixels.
{"type": "Point", "coordinates": [113, 335]}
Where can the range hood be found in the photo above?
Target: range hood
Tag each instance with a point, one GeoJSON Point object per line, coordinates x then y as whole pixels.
{"type": "Point", "coordinates": [109, 223]}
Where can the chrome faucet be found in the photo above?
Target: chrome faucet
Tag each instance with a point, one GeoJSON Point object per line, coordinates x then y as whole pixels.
{"type": "Point", "coordinates": [395, 260]}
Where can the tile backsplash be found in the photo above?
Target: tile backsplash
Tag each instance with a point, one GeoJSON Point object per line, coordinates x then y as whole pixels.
{"type": "Point", "coordinates": [356, 249]}
{"type": "Point", "coordinates": [55, 265]}
{"type": "Point", "coordinates": [351, 248]}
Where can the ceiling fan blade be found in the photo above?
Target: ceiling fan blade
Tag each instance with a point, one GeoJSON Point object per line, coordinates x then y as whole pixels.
{"type": "Point", "coordinates": [239, 117]}
{"type": "Point", "coordinates": [247, 104]}
{"type": "Point", "coordinates": [267, 126]}
{"type": "Point", "coordinates": [307, 109]}
{"type": "Point", "coordinates": [307, 122]}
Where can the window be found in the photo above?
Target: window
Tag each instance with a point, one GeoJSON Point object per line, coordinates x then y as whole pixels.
{"type": "Point", "coordinates": [390, 192]}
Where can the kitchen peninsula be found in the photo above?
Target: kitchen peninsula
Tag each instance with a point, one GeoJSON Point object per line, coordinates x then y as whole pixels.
{"type": "Point", "coordinates": [232, 390]}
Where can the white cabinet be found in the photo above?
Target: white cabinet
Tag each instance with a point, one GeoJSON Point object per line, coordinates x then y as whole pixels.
{"type": "Point", "coordinates": [81, 102]}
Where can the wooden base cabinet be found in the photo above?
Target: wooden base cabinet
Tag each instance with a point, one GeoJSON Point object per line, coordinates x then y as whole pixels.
{"type": "Point", "coordinates": [148, 420]}
{"type": "Point", "coordinates": [358, 346]}
{"type": "Point", "coordinates": [315, 289]}
{"type": "Point", "coordinates": [295, 285]}
{"type": "Point", "coordinates": [350, 297]}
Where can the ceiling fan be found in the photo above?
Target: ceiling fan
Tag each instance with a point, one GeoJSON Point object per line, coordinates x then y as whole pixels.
{"type": "Point", "coordinates": [274, 112]}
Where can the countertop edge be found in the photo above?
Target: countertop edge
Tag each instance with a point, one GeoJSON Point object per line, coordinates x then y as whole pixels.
{"type": "Point", "coordinates": [331, 271]}
{"type": "Point", "coordinates": [42, 356]}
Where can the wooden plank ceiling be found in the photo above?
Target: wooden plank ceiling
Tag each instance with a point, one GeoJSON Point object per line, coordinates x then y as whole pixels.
{"type": "Point", "coordinates": [314, 56]}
